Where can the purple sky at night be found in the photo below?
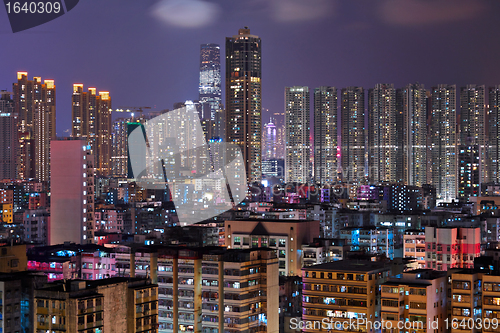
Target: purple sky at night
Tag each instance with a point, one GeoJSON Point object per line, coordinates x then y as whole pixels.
{"type": "Point", "coordinates": [146, 53]}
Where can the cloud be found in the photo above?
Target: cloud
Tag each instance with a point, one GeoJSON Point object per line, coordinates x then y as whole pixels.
{"type": "Point", "coordinates": [425, 12]}
{"type": "Point", "coordinates": [186, 13]}
{"type": "Point", "coordinates": [301, 10]}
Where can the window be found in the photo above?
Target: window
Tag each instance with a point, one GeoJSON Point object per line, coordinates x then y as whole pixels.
{"type": "Point", "coordinates": [282, 242]}
{"type": "Point", "coordinates": [237, 240]}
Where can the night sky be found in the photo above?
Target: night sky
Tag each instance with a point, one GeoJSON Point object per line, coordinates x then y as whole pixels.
{"type": "Point", "coordinates": [146, 52]}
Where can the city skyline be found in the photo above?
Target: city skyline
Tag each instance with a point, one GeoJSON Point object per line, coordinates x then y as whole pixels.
{"type": "Point", "coordinates": [138, 70]}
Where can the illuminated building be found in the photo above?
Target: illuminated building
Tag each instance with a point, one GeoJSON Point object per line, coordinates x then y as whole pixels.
{"type": "Point", "coordinates": [283, 233]}
{"type": "Point", "coordinates": [35, 104]}
{"type": "Point", "coordinates": [447, 248]}
{"type": "Point", "coordinates": [297, 144]}
{"type": "Point", "coordinates": [8, 137]}
{"type": "Point", "coordinates": [382, 133]}
{"type": "Point", "coordinates": [469, 172]}
{"type": "Point", "coordinates": [412, 134]}
{"type": "Point", "coordinates": [243, 99]}
{"type": "Point", "coordinates": [494, 133]}
{"type": "Point", "coordinates": [353, 134]}
{"type": "Point", "coordinates": [417, 296]}
{"type": "Point", "coordinates": [342, 291]}
{"type": "Point", "coordinates": [92, 122]}
{"type": "Point", "coordinates": [414, 247]}
{"type": "Point", "coordinates": [115, 304]}
{"type": "Point", "coordinates": [119, 146]}
{"type": "Point", "coordinates": [475, 295]}
{"type": "Point", "coordinates": [210, 81]}
{"type": "Point", "coordinates": [269, 142]}
{"type": "Point", "coordinates": [443, 149]}
{"type": "Point", "coordinates": [72, 192]}
{"type": "Point", "coordinates": [209, 288]}
{"type": "Point", "coordinates": [370, 240]}
{"type": "Point", "coordinates": [325, 135]}
{"type": "Point", "coordinates": [473, 124]}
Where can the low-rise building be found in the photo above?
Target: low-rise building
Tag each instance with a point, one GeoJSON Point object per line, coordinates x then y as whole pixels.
{"type": "Point", "coordinates": [340, 292]}
{"type": "Point", "coordinates": [107, 305]}
{"type": "Point", "coordinates": [419, 297]}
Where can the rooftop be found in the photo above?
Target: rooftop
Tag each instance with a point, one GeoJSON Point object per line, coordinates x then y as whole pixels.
{"type": "Point", "coordinates": [349, 266]}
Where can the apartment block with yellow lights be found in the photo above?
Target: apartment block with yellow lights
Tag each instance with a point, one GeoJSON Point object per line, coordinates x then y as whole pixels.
{"type": "Point", "coordinates": [342, 292]}
{"type": "Point", "coordinates": [474, 296]}
{"type": "Point", "coordinates": [109, 305]}
{"type": "Point", "coordinates": [418, 297]}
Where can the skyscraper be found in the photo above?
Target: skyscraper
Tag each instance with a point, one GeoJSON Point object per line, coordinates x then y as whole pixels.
{"type": "Point", "coordinates": [413, 107]}
{"type": "Point", "coordinates": [243, 98]}
{"type": "Point", "coordinates": [297, 145]}
{"type": "Point", "coordinates": [325, 135]}
{"type": "Point", "coordinates": [92, 121]}
{"type": "Point", "coordinates": [473, 123]}
{"type": "Point", "coordinates": [8, 137]}
{"type": "Point", "coordinates": [210, 81]}
{"type": "Point", "coordinates": [353, 134]}
{"type": "Point", "coordinates": [494, 133]}
{"type": "Point", "coordinates": [119, 148]}
{"type": "Point", "coordinates": [35, 103]}
{"type": "Point", "coordinates": [269, 142]}
{"type": "Point", "coordinates": [443, 150]}
{"type": "Point", "coordinates": [382, 133]}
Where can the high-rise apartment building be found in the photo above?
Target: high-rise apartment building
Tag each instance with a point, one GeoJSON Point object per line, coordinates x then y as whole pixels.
{"type": "Point", "coordinates": [72, 192]}
{"type": "Point", "coordinates": [35, 104]}
{"type": "Point", "coordinates": [243, 98]}
{"type": "Point", "coordinates": [473, 124]}
{"type": "Point", "coordinates": [443, 149]}
{"type": "Point", "coordinates": [210, 81]}
{"type": "Point", "coordinates": [8, 137]}
{"type": "Point", "coordinates": [494, 133]}
{"type": "Point", "coordinates": [297, 144]}
{"type": "Point", "coordinates": [119, 146]}
{"type": "Point", "coordinates": [91, 114]}
{"type": "Point", "coordinates": [412, 134]}
{"type": "Point", "coordinates": [353, 134]}
{"type": "Point", "coordinates": [469, 170]}
{"type": "Point", "coordinates": [325, 135]}
{"type": "Point", "coordinates": [382, 133]}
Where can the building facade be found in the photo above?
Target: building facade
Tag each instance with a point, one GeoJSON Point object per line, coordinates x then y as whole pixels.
{"type": "Point", "coordinates": [297, 127]}
{"type": "Point", "coordinates": [91, 113]}
{"type": "Point", "coordinates": [210, 81]}
{"type": "Point", "coordinates": [353, 134]}
{"type": "Point", "coordinates": [443, 149]}
{"type": "Point", "coordinates": [325, 135]}
{"type": "Point", "coordinates": [244, 100]}
{"type": "Point", "coordinates": [382, 133]}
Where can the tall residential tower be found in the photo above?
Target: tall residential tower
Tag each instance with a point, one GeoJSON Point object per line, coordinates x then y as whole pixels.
{"type": "Point", "coordinates": [91, 114]}
{"type": "Point", "coordinates": [243, 99]}
{"type": "Point", "coordinates": [382, 133]}
{"type": "Point", "coordinates": [443, 149]}
{"type": "Point", "coordinates": [353, 134]}
{"type": "Point", "coordinates": [297, 145]}
{"type": "Point", "coordinates": [325, 135]}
